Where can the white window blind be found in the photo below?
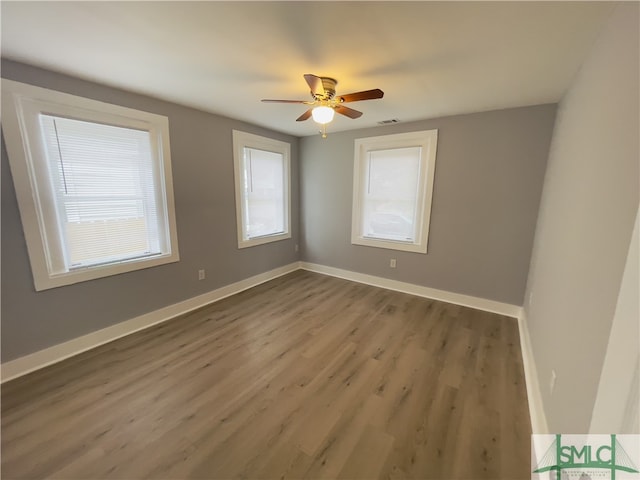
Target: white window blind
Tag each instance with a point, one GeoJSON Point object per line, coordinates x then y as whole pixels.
{"type": "Point", "coordinates": [263, 183]}
{"type": "Point", "coordinates": [264, 193]}
{"type": "Point", "coordinates": [104, 187]}
{"type": "Point", "coordinates": [392, 189]}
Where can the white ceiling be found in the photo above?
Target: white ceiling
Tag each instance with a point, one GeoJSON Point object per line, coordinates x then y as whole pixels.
{"type": "Point", "coordinates": [430, 58]}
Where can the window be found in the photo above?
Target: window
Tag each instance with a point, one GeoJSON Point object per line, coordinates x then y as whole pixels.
{"type": "Point", "coordinates": [93, 182]}
{"type": "Point", "coordinates": [262, 189]}
{"type": "Point", "coordinates": [392, 189]}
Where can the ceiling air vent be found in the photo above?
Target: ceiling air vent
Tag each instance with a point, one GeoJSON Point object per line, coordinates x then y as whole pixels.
{"type": "Point", "coordinates": [387, 122]}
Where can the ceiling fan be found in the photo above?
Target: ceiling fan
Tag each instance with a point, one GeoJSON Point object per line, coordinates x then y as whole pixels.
{"type": "Point", "coordinates": [325, 102]}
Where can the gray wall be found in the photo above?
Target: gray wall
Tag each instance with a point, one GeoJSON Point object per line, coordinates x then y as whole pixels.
{"type": "Point", "coordinates": [585, 224]}
{"type": "Point", "coordinates": [202, 162]}
{"type": "Point", "coordinates": [489, 173]}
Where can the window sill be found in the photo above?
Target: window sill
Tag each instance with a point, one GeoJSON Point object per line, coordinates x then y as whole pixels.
{"type": "Point", "coordinates": [263, 240]}
{"type": "Point", "coordinates": [44, 281]}
{"type": "Point", "coordinates": [389, 244]}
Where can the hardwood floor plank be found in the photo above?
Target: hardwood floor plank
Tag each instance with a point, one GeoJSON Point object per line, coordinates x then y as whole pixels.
{"type": "Point", "coordinates": [368, 456]}
{"type": "Point", "coordinates": [305, 376]}
{"type": "Point", "coordinates": [334, 452]}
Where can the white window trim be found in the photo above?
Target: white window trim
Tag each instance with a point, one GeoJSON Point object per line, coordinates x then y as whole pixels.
{"type": "Point", "coordinates": [427, 139]}
{"type": "Point", "coordinates": [19, 102]}
{"type": "Point", "coordinates": [248, 140]}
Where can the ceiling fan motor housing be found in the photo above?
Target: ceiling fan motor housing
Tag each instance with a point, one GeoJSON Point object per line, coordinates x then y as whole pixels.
{"type": "Point", "coordinates": [329, 85]}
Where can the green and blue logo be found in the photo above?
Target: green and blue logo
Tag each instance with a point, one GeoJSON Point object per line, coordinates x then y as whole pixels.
{"type": "Point", "coordinates": [593, 456]}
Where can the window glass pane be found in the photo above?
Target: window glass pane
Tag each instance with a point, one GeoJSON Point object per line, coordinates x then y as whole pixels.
{"type": "Point", "coordinates": [264, 193]}
{"type": "Point", "coordinates": [390, 194]}
{"type": "Point", "coordinates": [103, 178]}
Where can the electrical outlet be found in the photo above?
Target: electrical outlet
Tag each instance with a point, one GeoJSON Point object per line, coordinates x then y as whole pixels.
{"type": "Point", "coordinates": [201, 275]}
{"type": "Point", "coordinates": [392, 263]}
{"type": "Point", "coordinates": [552, 381]}
{"type": "Point", "coordinates": [530, 298]}
{"type": "Point", "coordinates": [297, 248]}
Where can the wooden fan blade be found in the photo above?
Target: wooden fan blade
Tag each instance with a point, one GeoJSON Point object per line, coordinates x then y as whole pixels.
{"type": "Point", "coordinates": [304, 116]}
{"type": "Point", "coordinates": [268, 100]}
{"type": "Point", "coordinates": [349, 112]}
{"type": "Point", "coordinates": [365, 95]}
{"type": "Point", "coordinates": [315, 84]}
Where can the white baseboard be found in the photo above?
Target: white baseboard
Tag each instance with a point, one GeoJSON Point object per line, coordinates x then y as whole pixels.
{"type": "Point", "coordinates": [432, 293]}
{"type": "Point", "coordinates": [42, 358]}
{"type": "Point", "coordinates": [536, 408]}
{"type": "Point", "coordinates": [48, 356]}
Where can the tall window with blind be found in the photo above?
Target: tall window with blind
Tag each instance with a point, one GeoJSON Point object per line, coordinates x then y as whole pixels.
{"type": "Point", "coordinates": [262, 189]}
{"type": "Point", "coordinates": [101, 199]}
{"type": "Point", "coordinates": [263, 193]}
{"type": "Point", "coordinates": [390, 206]}
{"type": "Point", "coordinates": [393, 185]}
{"type": "Point", "coordinates": [104, 191]}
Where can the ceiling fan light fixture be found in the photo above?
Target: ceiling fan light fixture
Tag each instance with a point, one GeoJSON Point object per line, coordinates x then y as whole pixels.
{"type": "Point", "coordinates": [322, 114]}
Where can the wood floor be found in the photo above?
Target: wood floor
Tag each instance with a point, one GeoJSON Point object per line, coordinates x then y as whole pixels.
{"type": "Point", "coordinates": [306, 376]}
